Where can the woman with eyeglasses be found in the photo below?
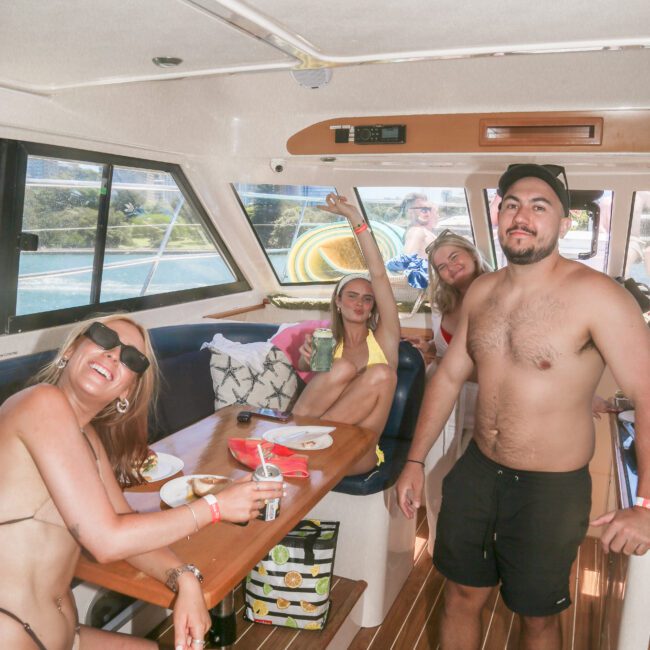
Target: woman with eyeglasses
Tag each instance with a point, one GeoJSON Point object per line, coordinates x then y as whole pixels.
{"type": "Point", "coordinates": [422, 217]}
{"type": "Point", "coordinates": [359, 387]}
{"type": "Point", "coordinates": [68, 445]}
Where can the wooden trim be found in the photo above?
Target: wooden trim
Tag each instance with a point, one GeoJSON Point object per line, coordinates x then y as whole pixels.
{"type": "Point", "coordinates": [562, 131]}
{"type": "Point", "coordinates": [611, 131]}
{"type": "Point", "coordinates": [241, 310]}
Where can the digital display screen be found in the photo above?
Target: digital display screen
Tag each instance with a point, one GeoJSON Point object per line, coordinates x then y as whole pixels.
{"type": "Point", "coordinates": [390, 132]}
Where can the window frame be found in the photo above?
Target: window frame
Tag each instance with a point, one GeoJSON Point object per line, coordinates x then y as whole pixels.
{"type": "Point", "coordinates": [14, 155]}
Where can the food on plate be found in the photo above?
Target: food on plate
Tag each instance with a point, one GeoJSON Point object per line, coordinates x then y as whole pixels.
{"type": "Point", "coordinates": [150, 461]}
{"type": "Point", "coordinates": [208, 485]}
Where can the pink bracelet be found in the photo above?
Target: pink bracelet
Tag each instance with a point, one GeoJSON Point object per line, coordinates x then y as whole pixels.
{"type": "Point", "coordinates": [211, 500]}
{"type": "Point", "coordinates": [359, 229]}
{"type": "Point", "coordinates": [643, 503]}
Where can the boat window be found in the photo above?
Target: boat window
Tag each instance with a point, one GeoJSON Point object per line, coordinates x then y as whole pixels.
{"type": "Point", "coordinates": [637, 259]}
{"type": "Point", "coordinates": [588, 239]}
{"type": "Point", "coordinates": [103, 233]}
{"type": "Point", "coordinates": [418, 214]}
{"type": "Point", "coordinates": [299, 240]}
{"type": "Point", "coordinates": [306, 245]}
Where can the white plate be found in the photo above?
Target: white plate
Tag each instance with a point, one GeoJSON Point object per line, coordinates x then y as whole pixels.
{"type": "Point", "coordinates": [301, 438]}
{"type": "Point", "coordinates": [167, 465]}
{"type": "Point", "coordinates": [626, 416]}
{"type": "Point", "coordinates": [178, 491]}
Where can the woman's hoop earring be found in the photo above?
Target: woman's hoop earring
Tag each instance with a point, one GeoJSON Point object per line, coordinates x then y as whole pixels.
{"type": "Point", "coordinates": [122, 405]}
{"type": "Point", "coordinates": [61, 363]}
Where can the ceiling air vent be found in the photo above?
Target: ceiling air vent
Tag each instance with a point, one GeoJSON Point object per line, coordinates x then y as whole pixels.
{"type": "Point", "coordinates": [557, 131]}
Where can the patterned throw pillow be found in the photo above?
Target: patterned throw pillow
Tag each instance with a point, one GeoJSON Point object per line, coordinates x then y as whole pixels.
{"type": "Point", "coordinates": [235, 382]}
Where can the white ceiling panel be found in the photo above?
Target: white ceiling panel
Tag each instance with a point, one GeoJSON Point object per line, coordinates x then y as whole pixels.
{"type": "Point", "coordinates": [366, 27]}
{"type": "Point", "coordinates": [57, 43]}
{"type": "Point", "coordinates": [53, 45]}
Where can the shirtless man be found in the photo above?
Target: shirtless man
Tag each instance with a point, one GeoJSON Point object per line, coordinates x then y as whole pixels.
{"type": "Point", "coordinates": [515, 506]}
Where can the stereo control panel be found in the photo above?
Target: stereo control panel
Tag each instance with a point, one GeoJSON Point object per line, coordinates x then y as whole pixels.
{"type": "Point", "coordinates": [371, 134]}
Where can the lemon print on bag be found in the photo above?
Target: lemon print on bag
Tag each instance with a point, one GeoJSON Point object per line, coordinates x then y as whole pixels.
{"type": "Point", "coordinates": [290, 622]}
{"type": "Point", "coordinates": [313, 626]}
{"type": "Point", "coordinates": [261, 569]}
{"type": "Point", "coordinates": [282, 603]}
{"type": "Point", "coordinates": [322, 586]}
{"type": "Point", "coordinates": [280, 554]}
{"type": "Point", "coordinates": [315, 570]}
{"type": "Point", "coordinates": [307, 607]}
{"type": "Point", "coordinates": [267, 589]}
{"type": "Point", "coordinates": [260, 608]}
{"type": "Point", "coordinates": [293, 580]}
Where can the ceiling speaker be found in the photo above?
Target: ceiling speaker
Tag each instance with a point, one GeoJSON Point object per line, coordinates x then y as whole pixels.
{"type": "Point", "coordinates": [315, 78]}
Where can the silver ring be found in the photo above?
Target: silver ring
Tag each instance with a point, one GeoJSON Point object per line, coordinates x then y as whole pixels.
{"type": "Point", "coordinates": [198, 641]}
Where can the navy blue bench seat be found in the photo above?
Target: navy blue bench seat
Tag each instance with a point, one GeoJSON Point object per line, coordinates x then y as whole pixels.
{"type": "Point", "coordinates": [186, 394]}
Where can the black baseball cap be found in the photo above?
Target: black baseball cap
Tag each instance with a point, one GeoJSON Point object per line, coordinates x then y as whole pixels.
{"type": "Point", "coordinates": [547, 173]}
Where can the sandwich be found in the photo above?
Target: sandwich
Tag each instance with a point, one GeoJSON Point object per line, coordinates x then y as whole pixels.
{"type": "Point", "coordinates": [208, 485]}
{"type": "Point", "coordinates": [150, 461]}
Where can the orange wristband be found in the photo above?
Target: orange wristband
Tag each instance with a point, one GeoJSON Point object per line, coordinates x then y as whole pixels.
{"type": "Point", "coordinates": [643, 503]}
{"type": "Point", "coordinates": [359, 229]}
{"type": "Point", "coordinates": [211, 500]}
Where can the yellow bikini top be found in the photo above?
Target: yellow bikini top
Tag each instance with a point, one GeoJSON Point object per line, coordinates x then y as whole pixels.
{"type": "Point", "coordinates": [375, 353]}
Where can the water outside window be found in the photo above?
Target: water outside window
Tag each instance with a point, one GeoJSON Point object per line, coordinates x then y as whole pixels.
{"type": "Point", "coordinates": [61, 207]}
{"type": "Point", "coordinates": [155, 241]}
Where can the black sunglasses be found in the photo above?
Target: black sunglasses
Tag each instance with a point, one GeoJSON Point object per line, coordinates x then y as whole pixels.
{"type": "Point", "coordinates": [422, 208]}
{"type": "Point", "coordinates": [108, 339]}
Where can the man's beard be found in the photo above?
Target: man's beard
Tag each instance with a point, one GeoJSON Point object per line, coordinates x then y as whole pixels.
{"type": "Point", "coordinates": [527, 255]}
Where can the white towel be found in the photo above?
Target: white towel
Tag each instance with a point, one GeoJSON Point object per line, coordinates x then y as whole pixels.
{"type": "Point", "coordinates": [250, 354]}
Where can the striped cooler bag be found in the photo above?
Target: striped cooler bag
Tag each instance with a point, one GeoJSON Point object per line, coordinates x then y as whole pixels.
{"type": "Point", "coordinates": [290, 587]}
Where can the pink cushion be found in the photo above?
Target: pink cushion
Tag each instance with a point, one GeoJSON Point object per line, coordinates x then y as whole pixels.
{"type": "Point", "coordinates": [289, 340]}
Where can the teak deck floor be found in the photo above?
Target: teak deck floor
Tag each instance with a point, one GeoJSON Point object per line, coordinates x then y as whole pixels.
{"type": "Point", "coordinates": [413, 621]}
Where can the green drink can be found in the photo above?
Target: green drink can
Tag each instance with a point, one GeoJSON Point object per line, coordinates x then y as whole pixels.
{"type": "Point", "coordinates": [322, 350]}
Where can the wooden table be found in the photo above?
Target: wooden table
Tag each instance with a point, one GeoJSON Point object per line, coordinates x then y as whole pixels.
{"type": "Point", "coordinates": [225, 552]}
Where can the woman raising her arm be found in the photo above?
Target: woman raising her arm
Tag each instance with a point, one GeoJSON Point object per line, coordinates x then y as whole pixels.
{"type": "Point", "coordinates": [64, 445]}
{"type": "Point", "coordinates": [359, 387]}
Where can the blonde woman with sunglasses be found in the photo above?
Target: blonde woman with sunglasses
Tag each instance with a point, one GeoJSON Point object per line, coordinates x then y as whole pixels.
{"type": "Point", "coordinates": [67, 447]}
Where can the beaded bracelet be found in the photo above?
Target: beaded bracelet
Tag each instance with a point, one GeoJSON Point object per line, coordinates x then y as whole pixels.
{"type": "Point", "coordinates": [211, 500]}
{"type": "Point", "coordinates": [419, 462]}
{"type": "Point", "coordinates": [359, 229]}
{"type": "Point", "coordinates": [643, 503]}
